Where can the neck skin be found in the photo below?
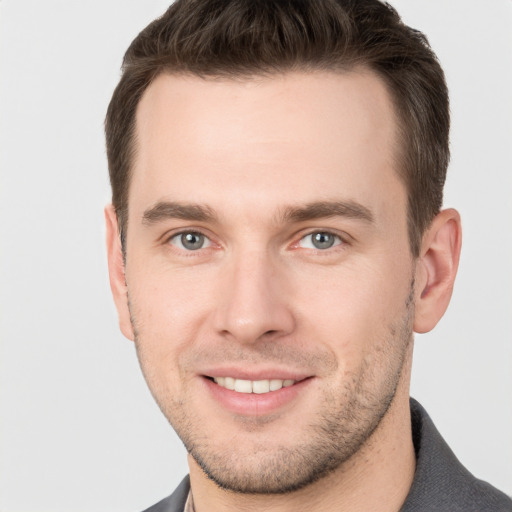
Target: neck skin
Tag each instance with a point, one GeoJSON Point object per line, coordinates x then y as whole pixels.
{"type": "Point", "coordinates": [377, 477]}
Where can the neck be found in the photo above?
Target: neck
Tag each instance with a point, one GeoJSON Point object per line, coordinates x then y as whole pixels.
{"type": "Point", "coordinates": [377, 477]}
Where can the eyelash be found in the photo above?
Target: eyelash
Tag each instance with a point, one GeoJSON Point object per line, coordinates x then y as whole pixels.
{"type": "Point", "coordinates": [339, 243]}
{"type": "Point", "coordinates": [338, 240]}
{"type": "Point", "coordinates": [195, 232]}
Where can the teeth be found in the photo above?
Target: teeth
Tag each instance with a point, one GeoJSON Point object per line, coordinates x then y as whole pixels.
{"type": "Point", "coordinates": [243, 386]}
{"type": "Point", "coordinates": [253, 386]}
{"type": "Point", "coordinates": [261, 386]}
{"type": "Point", "coordinates": [276, 384]}
{"type": "Point", "coordinates": [229, 382]}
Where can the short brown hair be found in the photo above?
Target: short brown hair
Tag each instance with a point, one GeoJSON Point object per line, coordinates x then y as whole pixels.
{"type": "Point", "coordinates": [238, 38]}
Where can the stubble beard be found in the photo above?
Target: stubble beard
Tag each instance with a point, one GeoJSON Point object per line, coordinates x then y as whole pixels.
{"type": "Point", "coordinates": [346, 425]}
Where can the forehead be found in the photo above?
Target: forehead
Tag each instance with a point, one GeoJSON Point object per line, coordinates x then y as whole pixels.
{"type": "Point", "coordinates": [279, 138]}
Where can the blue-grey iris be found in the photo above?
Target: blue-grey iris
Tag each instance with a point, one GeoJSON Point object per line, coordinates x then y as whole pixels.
{"type": "Point", "coordinates": [322, 240]}
{"type": "Point", "coordinates": [192, 241]}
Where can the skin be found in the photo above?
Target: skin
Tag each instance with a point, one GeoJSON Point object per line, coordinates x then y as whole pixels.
{"type": "Point", "coordinates": [259, 297]}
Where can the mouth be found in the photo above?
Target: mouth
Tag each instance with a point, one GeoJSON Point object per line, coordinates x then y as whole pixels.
{"type": "Point", "coordinates": [256, 397]}
{"type": "Point", "coordinates": [259, 387]}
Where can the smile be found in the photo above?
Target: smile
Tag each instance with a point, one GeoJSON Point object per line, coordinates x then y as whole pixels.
{"type": "Point", "coordinates": [237, 393]}
{"type": "Point", "coordinates": [253, 386]}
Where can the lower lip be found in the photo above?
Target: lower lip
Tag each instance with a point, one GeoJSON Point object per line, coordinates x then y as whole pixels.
{"type": "Point", "coordinates": [254, 404]}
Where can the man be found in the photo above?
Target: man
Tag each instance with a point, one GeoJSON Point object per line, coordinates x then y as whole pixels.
{"type": "Point", "coordinates": [275, 238]}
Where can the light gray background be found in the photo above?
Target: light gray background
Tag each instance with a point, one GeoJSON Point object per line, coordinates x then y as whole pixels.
{"type": "Point", "coordinates": [78, 429]}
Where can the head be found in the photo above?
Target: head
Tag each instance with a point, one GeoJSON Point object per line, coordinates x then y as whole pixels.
{"type": "Point", "coordinates": [275, 235]}
{"type": "Point", "coordinates": [240, 39]}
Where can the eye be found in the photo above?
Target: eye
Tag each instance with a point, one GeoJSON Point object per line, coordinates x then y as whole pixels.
{"type": "Point", "coordinates": [320, 240]}
{"type": "Point", "coordinates": [190, 241]}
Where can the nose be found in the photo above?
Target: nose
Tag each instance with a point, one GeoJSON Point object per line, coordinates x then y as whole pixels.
{"type": "Point", "coordinates": [253, 303]}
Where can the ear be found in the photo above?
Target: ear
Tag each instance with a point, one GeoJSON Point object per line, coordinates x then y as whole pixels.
{"type": "Point", "coordinates": [117, 273]}
{"type": "Point", "coordinates": [436, 269]}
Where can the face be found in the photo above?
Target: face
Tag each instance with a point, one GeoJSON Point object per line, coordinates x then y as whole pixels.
{"type": "Point", "coordinates": [268, 270]}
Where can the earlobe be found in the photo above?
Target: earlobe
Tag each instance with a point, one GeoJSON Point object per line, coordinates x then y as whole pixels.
{"type": "Point", "coordinates": [436, 269]}
{"type": "Point", "coordinates": [116, 270]}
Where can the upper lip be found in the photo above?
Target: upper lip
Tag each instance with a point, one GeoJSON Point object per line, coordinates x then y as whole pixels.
{"type": "Point", "coordinates": [255, 374]}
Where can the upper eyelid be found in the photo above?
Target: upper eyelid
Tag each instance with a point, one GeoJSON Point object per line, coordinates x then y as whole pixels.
{"type": "Point", "coordinates": [187, 231]}
{"type": "Point", "coordinates": [342, 235]}
{"type": "Point", "coordinates": [168, 235]}
{"type": "Point", "coordinates": [330, 231]}
{"type": "Point", "coordinates": [325, 231]}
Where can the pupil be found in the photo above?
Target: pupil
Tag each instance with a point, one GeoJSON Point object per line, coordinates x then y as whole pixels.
{"type": "Point", "coordinates": [323, 240]}
{"type": "Point", "coordinates": [192, 241]}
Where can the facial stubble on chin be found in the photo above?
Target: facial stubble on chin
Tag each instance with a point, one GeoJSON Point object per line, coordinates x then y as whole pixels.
{"type": "Point", "coordinates": [348, 419]}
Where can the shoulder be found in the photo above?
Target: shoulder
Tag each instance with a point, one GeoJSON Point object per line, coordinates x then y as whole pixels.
{"type": "Point", "coordinates": [441, 482]}
{"type": "Point", "coordinates": [176, 501]}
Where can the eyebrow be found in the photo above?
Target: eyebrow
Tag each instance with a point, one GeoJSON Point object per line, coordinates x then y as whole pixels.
{"type": "Point", "coordinates": [165, 210]}
{"type": "Point", "coordinates": [325, 209]}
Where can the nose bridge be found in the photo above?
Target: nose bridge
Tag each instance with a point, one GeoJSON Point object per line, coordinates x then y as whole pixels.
{"type": "Point", "coordinates": [251, 304]}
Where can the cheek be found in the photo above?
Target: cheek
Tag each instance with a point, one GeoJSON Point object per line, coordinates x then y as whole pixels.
{"type": "Point", "coordinates": [168, 309]}
{"type": "Point", "coordinates": [352, 310]}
